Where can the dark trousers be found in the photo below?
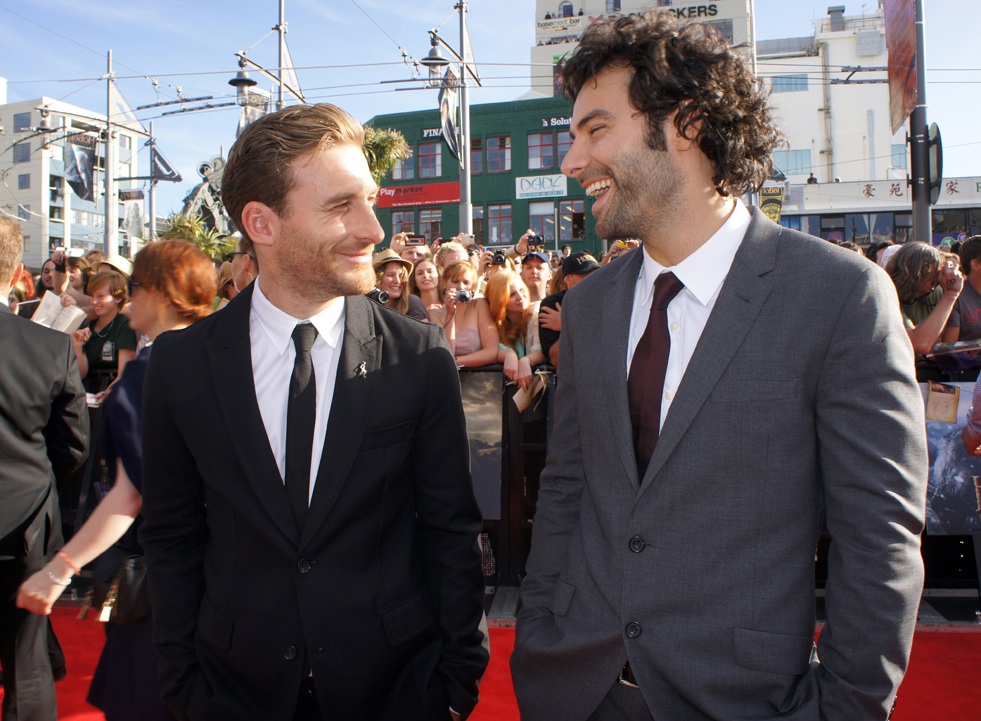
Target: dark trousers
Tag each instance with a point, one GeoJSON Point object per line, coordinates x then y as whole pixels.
{"type": "Point", "coordinates": [307, 708]}
{"type": "Point", "coordinates": [28, 685]}
{"type": "Point", "coordinates": [622, 703]}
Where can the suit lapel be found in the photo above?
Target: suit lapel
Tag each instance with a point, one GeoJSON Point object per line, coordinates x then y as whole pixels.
{"type": "Point", "coordinates": [740, 301]}
{"type": "Point", "coordinates": [616, 335]}
{"type": "Point", "coordinates": [353, 389]}
{"type": "Point", "coordinates": [230, 355]}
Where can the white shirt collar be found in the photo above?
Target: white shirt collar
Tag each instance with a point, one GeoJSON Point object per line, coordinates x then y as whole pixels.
{"type": "Point", "coordinates": [278, 325]}
{"type": "Point", "coordinates": [704, 271]}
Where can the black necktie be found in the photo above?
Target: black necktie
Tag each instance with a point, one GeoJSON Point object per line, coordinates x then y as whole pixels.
{"type": "Point", "coordinates": [301, 417]}
{"type": "Point", "coordinates": [645, 383]}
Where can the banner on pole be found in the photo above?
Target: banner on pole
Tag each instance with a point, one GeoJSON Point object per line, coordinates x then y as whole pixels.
{"type": "Point", "coordinates": [448, 106]}
{"type": "Point", "coordinates": [79, 157]}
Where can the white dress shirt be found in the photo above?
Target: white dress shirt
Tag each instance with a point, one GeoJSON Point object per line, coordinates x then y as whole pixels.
{"type": "Point", "coordinates": [273, 354]}
{"type": "Point", "coordinates": [703, 273]}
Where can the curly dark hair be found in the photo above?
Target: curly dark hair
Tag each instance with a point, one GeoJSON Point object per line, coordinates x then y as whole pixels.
{"type": "Point", "coordinates": [692, 70]}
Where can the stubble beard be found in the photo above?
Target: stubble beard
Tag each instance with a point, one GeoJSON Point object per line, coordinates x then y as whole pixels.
{"type": "Point", "coordinates": [647, 189]}
{"type": "Point", "coordinates": [317, 276]}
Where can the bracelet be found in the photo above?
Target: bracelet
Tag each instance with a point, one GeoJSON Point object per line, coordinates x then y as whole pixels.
{"type": "Point", "coordinates": [61, 267]}
{"type": "Point", "coordinates": [71, 564]}
{"type": "Point", "coordinates": [56, 579]}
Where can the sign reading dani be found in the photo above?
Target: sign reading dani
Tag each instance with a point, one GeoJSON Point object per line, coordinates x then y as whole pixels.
{"type": "Point", "coordinates": [540, 186]}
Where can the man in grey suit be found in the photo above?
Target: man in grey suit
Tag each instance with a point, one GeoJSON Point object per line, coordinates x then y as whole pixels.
{"type": "Point", "coordinates": [671, 574]}
{"type": "Point", "coordinates": [44, 437]}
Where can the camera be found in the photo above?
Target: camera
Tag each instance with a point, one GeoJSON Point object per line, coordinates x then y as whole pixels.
{"type": "Point", "coordinates": [499, 258]}
{"type": "Point", "coordinates": [463, 296]}
{"type": "Point", "coordinates": [378, 295]}
{"type": "Point", "coordinates": [536, 242]}
{"type": "Point", "coordinates": [414, 240]}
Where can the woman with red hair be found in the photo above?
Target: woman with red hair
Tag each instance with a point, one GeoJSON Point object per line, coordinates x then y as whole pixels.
{"type": "Point", "coordinates": [517, 323]}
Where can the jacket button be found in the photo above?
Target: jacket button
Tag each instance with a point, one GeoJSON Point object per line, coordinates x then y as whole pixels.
{"type": "Point", "coordinates": [289, 653]}
{"type": "Point", "coordinates": [303, 566]}
{"type": "Point", "coordinates": [633, 629]}
{"type": "Point", "coordinates": [637, 544]}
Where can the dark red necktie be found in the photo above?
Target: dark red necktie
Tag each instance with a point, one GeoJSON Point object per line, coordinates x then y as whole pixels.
{"type": "Point", "coordinates": [645, 383]}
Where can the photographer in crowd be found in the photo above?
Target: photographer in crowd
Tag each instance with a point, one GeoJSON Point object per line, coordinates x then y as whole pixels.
{"type": "Point", "coordinates": [466, 319]}
{"type": "Point", "coordinates": [392, 277]}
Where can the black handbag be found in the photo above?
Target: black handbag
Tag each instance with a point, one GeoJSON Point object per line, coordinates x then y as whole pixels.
{"type": "Point", "coordinates": [127, 598]}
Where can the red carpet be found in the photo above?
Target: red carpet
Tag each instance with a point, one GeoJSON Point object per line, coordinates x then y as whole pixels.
{"type": "Point", "coordinates": [942, 682]}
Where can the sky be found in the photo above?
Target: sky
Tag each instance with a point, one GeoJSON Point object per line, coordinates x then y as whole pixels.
{"type": "Point", "coordinates": [350, 52]}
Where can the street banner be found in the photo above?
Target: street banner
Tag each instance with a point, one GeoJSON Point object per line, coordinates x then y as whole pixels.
{"type": "Point", "coordinates": [256, 105]}
{"type": "Point", "coordinates": [771, 202]}
{"type": "Point", "coordinates": [901, 42]}
{"type": "Point", "coordinates": [132, 201]}
{"type": "Point", "coordinates": [160, 169]}
{"type": "Point", "coordinates": [79, 157]}
{"type": "Point", "coordinates": [447, 113]}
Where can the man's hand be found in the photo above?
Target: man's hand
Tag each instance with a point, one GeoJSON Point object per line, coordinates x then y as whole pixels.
{"type": "Point", "coordinates": [521, 247]}
{"type": "Point", "coordinates": [551, 318]}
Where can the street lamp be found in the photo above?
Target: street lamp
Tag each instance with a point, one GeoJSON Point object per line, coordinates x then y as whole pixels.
{"type": "Point", "coordinates": [242, 84]}
{"type": "Point", "coordinates": [436, 63]}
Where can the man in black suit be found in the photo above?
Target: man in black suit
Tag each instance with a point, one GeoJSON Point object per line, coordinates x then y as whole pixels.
{"type": "Point", "coordinates": [346, 583]}
{"type": "Point", "coordinates": [44, 434]}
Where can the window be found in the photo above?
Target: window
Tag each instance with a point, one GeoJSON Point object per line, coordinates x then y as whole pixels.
{"type": "Point", "coordinates": [22, 153]}
{"type": "Point", "coordinates": [572, 220]}
{"type": "Point", "coordinates": [430, 157]}
{"type": "Point", "coordinates": [565, 145]}
{"type": "Point", "coordinates": [565, 9]}
{"type": "Point", "coordinates": [403, 221]}
{"type": "Point", "coordinates": [125, 142]}
{"type": "Point", "coordinates": [793, 162]}
{"type": "Point", "coordinates": [56, 184]}
{"type": "Point", "coordinates": [789, 83]}
{"type": "Point", "coordinates": [612, 6]}
{"type": "Point", "coordinates": [540, 151]}
{"type": "Point", "coordinates": [499, 222]}
{"type": "Point", "coordinates": [541, 217]}
{"type": "Point", "coordinates": [478, 224]}
{"type": "Point", "coordinates": [24, 181]}
{"type": "Point", "coordinates": [24, 212]}
{"type": "Point", "coordinates": [405, 169]}
{"type": "Point", "coordinates": [56, 212]}
{"type": "Point", "coordinates": [899, 156]}
{"type": "Point", "coordinates": [476, 155]}
{"type": "Point", "coordinates": [27, 243]}
{"type": "Point", "coordinates": [499, 154]}
{"type": "Point", "coordinates": [431, 224]}
{"type": "Point", "coordinates": [22, 122]}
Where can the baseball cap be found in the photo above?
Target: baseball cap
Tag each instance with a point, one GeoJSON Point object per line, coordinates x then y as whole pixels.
{"type": "Point", "coordinates": [581, 263]}
{"type": "Point", "coordinates": [535, 254]}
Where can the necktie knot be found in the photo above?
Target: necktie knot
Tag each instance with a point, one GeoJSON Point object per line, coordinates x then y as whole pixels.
{"type": "Point", "coordinates": [304, 335]}
{"type": "Point", "coordinates": [666, 287]}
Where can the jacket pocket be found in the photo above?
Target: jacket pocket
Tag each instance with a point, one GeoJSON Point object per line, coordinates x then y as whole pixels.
{"type": "Point", "coordinates": [407, 618]}
{"type": "Point", "coordinates": [390, 435]}
{"type": "Point", "coordinates": [561, 598]}
{"type": "Point", "coordinates": [214, 627]}
{"type": "Point", "coordinates": [772, 652]}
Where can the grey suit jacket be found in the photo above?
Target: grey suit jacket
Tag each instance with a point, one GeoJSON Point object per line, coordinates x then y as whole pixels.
{"type": "Point", "coordinates": [799, 404]}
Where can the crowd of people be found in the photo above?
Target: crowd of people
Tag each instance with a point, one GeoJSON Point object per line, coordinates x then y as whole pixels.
{"type": "Point", "coordinates": [311, 549]}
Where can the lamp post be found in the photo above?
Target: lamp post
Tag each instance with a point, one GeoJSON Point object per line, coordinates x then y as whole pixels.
{"type": "Point", "coordinates": [436, 63]}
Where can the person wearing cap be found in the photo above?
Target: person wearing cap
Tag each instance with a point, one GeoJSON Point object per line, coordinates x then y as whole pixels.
{"type": "Point", "coordinates": [574, 269]}
{"type": "Point", "coordinates": [392, 277]}
{"type": "Point", "coordinates": [536, 272]}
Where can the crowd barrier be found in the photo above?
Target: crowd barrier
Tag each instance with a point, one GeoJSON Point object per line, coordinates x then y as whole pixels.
{"type": "Point", "coordinates": [508, 448]}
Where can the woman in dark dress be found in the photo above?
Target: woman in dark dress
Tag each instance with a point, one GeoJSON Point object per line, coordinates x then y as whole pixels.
{"type": "Point", "coordinates": [105, 345]}
{"type": "Point", "coordinates": [173, 285]}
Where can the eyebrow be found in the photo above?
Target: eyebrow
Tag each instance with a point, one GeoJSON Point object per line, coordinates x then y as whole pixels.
{"type": "Point", "coordinates": [592, 115]}
{"type": "Point", "coordinates": [371, 190]}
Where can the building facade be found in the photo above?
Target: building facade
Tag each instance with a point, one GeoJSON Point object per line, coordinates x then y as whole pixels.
{"type": "Point", "coordinates": [516, 150]}
{"type": "Point", "coordinates": [32, 168]}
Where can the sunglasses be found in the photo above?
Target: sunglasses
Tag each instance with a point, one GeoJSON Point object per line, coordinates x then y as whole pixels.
{"type": "Point", "coordinates": [231, 256]}
{"type": "Point", "coordinates": [133, 285]}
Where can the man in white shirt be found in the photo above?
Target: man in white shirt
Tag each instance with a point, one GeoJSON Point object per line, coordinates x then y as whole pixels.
{"type": "Point", "coordinates": [312, 548]}
{"type": "Point", "coordinates": [709, 418]}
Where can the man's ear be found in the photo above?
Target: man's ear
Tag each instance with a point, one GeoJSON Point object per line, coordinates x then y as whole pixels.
{"type": "Point", "coordinates": [260, 223]}
{"type": "Point", "coordinates": [13, 278]}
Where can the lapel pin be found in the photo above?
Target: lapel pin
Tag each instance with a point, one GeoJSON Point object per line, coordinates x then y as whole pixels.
{"type": "Point", "coordinates": [362, 370]}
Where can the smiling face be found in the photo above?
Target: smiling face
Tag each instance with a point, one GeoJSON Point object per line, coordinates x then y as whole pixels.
{"type": "Point", "coordinates": [426, 275]}
{"type": "Point", "coordinates": [392, 279]}
{"type": "Point", "coordinates": [634, 186]}
{"type": "Point", "coordinates": [325, 237]}
{"type": "Point", "coordinates": [104, 304]}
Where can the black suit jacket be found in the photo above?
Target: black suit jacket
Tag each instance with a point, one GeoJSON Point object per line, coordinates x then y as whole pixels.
{"type": "Point", "coordinates": [44, 433]}
{"type": "Point", "coordinates": [379, 593]}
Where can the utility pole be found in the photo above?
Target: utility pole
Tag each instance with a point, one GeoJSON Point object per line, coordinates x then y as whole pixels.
{"type": "Point", "coordinates": [110, 244]}
{"type": "Point", "coordinates": [466, 206]}
{"type": "Point", "coordinates": [919, 144]}
{"type": "Point", "coordinates": [152, 234]}
{"type": "Point", "coordinates": [282, 52]}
